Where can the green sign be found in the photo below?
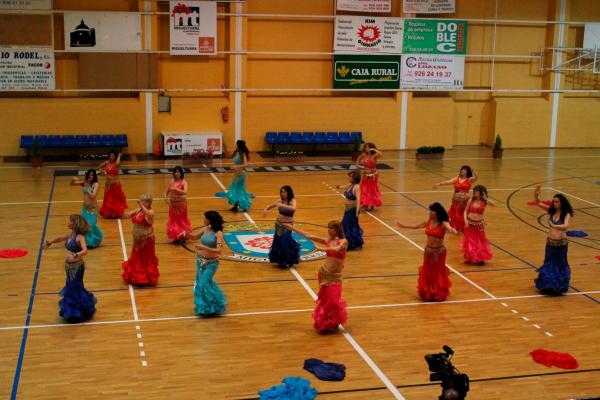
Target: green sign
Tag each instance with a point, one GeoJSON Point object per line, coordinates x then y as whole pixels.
{"type": "Point", "coordinates": [366, 72]}
{"type": "Point", "coordinates": [434, 36]}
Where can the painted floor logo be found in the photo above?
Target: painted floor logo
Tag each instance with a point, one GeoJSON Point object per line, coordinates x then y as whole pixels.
{"type": "Point", "coordinates": [251, 243]}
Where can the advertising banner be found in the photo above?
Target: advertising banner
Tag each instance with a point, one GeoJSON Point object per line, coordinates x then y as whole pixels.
{"type": "Point", "coordinates": [429, 6]}
{"type": "Point", "coordinates": [432, 72]}
{"type": "Point", "coordinates": [354, 34]}
{"type": "Point", "coordinates": [25, 4]}
{"type": "Point", "coordinates": [363, 71]}
{"type": "Point", "coordinates": [178, 143]}
{"type": "Point", "coordinates": [193, 27]}
{"type": "Point", "coordinates": [377, 6]}
{"type": "Point", "coordinates": [102, 31]}
{"type": "Point", "coordinates": [435, 36]}
{"type": "Point", "coordinates": [26, 69]}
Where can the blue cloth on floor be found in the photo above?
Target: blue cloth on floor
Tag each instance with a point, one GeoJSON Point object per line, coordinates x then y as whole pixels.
{"type": "Point", "coordinates": [325, 371]}
{"type": "Point", "coordinates": [576, 233]}
{"type": "Point", "coordinates": [293, 388]}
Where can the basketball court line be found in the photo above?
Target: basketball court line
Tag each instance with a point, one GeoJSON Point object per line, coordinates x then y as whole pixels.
{"type": "Point", "coordinates": [300, 310]}
{"type": "Point", "coordinates": [575, 197]}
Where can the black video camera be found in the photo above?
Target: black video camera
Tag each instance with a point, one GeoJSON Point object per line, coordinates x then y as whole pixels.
{"type": "Point", "coordinates": [454, 384]}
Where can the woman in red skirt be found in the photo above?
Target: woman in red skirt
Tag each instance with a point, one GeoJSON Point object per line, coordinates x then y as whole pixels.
{"type": "Point", "coordinates": [178, 224]}
{"type": "Point", "coordinates": [331, 308]}
{"type": "Point", "coordinates": [114, 203]}
{"type": "Point", "coordinates": [434, 281]}
{"type": "Point", "coordinates": [462, 185]}
{"type": "Point", "coordinates": [141, 268]}
{"type": "Point", "coordinates": [475, 245]}
{"type": "Point", "coordinates": [369, 184]}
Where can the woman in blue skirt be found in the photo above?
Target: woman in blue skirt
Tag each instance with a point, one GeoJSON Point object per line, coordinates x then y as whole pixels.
{"type": "Point", "coordinates": [555, 274]}
{"type": "Point", "coordinates": [352, 230]}
{"type": "Point", "coordinates": [236, 194]}
{"type": "Point", "coordinates": [209, 299]}
{"type": "Point", "coordinates": [285, 251]}
{"type": "Point", "coordinates": [89, 186]}
{"type": "Point", "coordinates": [77, 304]}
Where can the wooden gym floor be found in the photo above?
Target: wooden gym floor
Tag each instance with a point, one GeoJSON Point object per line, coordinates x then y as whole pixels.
{"type": "Point", "coordinates": [147, 343]}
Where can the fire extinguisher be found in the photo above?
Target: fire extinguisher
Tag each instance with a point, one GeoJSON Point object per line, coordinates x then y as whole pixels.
{"type": "Point", "coordinates": [225, 114]}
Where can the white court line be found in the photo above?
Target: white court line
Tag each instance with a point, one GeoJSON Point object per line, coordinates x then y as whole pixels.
{"type": "Point", "coordinates": [575, 197]}
{"type": "Point", "coordinates": [131, 295]}
{"type": "Point", "coordinates": [346, 335]}
{"type": "Point", "coordinates": [290, 311]}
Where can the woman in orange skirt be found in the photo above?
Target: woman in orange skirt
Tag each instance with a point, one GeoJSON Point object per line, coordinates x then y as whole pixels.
{"type": "Point", "coordinates": [434, 276]}
{"type": "Point", "coordinates": [141, 268]}
{"type": "Point", "coordinates": [114, 203]}
{"type": "Point", "coordinates": [462, 185]}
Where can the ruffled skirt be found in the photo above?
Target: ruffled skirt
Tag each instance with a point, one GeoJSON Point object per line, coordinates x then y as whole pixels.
{"type": "Point", "coordinates": [209, 299]}
{"type": "Point", "coordinates": [141, 268]}
{"type": "Point", "coordinates": [77, 304]}
{"type": "Point", "coordinates": [330, 310]}
{"type": "Point", "coordinates": [352, 230]}
{"type": "Point", "coordinates": [555, 275]}
{"type": "Point", "coordinates": [285, 251]}
{"type": "Point", "coordinates": [178, 221]}
{"type": "Point", "coordinates": [434, 277]}
{"type": "Point", "coordinates": [457, 213]}
{"type": "Point", "coordinates": [370, 196]}
{"type": "Point", "coordinates": [475, 245]}
{"type": "Point", "coordinates": [95, 235]}
{"type": "Point", "coordinates": [114, 203]}
{"type": "Point", "coordinates": [236, 194]}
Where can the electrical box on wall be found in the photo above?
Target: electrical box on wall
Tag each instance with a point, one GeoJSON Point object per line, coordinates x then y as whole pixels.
{"type": "Point", "coordinates": [164, 104]}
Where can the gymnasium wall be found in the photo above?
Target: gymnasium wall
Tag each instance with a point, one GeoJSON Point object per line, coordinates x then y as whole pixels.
{"type": "Point", "coordinates": [452, 118]}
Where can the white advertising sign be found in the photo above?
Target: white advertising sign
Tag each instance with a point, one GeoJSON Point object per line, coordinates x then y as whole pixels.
{"type": "Point", "coordinates": [432, 71]}
{"type": "Point", "coordinates": [193, 27]}
{"type": "Point", "coordinates": [191, 143]}
{"type": "Point", "coordinates": [25, 4]}
{"type": "Point", "coordinates": [429, 6]}
{"type": "Point", "coordinates": [102, 31]}
{"type": "Point", "coordinates": [26, 69]}
{"type": "Point", "coordinates": [380, 6]}
{"type": "Point", "coordinates": [354, 34]}
{"type": "Point", "coordinates": [591, 36]}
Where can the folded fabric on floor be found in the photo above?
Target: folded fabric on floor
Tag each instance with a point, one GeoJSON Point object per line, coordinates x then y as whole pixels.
{"type": "Point", "coordinates": [576, 233]}
{"type": "Point", "coordinates": [535, 203]}
{"type": "Point", "coordinates": [13, 253]}
{"type": "Point", "coordinates": [325, 371]}
{"type": "Point", "coordinates": [293, 388]}
{"type": "Point", "coordinates": [554, 359]}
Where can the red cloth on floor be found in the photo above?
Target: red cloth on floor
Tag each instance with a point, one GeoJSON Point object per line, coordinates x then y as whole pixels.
{"type": "Point", "coordinates": [598, 257]}
{"type": "Point", "coordinates": [554, 359]}
{"type": "Point", "coordinates": [546, 202]}
{"type": "Point", "coordinates": [13, 253]}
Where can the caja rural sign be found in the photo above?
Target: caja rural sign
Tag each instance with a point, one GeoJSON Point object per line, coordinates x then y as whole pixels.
{"type": "Point", "coordinates": [366, 72]}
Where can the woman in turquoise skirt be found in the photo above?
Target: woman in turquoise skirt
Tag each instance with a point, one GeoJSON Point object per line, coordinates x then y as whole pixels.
{"type": "Point", "coordinates": [236, 194]}
{"type": "Point", "coordinates": [209, 299]}
{"type": "Point", "coordinates": [89, 186]}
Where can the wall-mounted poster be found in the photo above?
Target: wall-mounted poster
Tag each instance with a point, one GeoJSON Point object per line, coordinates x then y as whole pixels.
{"type": "Point", "coordinates": [429, 6]}
{"type": "Point", "coordinates": [25, 4]}
{"type": "Point", "coordinates": [376, 6]}
{"type": "Point", "coordinates": [363, 71]}
{"type": "Point", "coordinates": [26, 69]}
{"type": "Point", "coordinates": [435, 36]}
{"type": "Point", "coordinates": [193, 27]}
{"type": "Point", "coordinates": [354, 34]}
{"type": "Point", "coordinates": [102, 31]}
{"type": "Point", "coordinates": [432, 71]}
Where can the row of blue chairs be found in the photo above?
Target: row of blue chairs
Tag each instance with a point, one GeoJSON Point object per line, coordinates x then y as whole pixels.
{"type": "Point", "coordinates": [74, 141]}
{"type": "Point", "coordinates": [274, 138]}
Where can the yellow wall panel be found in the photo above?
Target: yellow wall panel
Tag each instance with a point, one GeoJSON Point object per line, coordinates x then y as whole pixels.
{"type": "Point", "coordinates": [523, 122]}
{"type": "Point", "coordinates": [430, 122]}
{"type": "Point", "coordinates": [578, 123]}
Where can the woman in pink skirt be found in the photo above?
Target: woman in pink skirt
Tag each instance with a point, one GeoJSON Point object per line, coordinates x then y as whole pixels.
{"type": "Point", "coordinates": [178, 224]}
{"type": "Point", "coordinates": [369, 184]}
{"type": "Point", "coordinates": [475, 246]}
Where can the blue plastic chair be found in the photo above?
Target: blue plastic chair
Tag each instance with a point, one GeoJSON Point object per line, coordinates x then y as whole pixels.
{"type": "Point", "coordinates": [26, 141]}
{"type": "Point", "coordinates": [54, 141]}
{"type": "Point", "coordinates": [308, 137]}
{"type": "Point", "coordinates": [95, 141]}
{"type": "Point", "coordinates": [108, 140]}
{"type": "Point", "coordinates": [332, 137]}
{"type": "Point", "coordinates": [68, 141]}
{"type": "Point", "coordinates": [271, 137]}
{"type": "Point", "coordinates": [81, 141]}
{"type": "Point", "coordinates": [344, 137]}
{"type": "Point", "coordinates": [283, 137]}
{"type": "Point", "coordinates": [121, 140]}
{"type": "Point", "coordinates": [356, 134]}
{"type": "Point", "coordinates": [320, 137]}
{"type": "Point", "coordinates": [42, 139]}
{"type": "Point", "coordinates": [296, 138]}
